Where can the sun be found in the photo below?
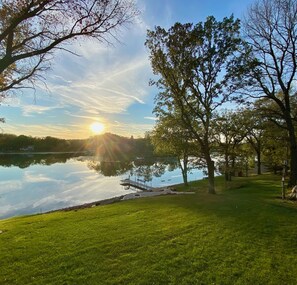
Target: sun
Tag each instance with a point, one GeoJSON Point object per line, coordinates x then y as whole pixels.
{"type": "Point", "coordinates": [97, 128]}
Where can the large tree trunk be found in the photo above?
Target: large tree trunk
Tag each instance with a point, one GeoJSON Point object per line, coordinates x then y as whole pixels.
{"type": "Point", "coordinates": [293, 144]}
{"type": "Point", "coordinates": [184, 168]}
{"type": "Point", "coordinates": [210, 170]}
{"type": "Point", "coordinates": [227, 176]}
{"type": "Point", "coordinates": [185, 178]}
{"type": "Point", "coordinates": [293, 154]}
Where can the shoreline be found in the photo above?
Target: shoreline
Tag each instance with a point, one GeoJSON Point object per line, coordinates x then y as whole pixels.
{"type": "Point", "coordinates": [129, 196]}
{"type": "Point", "coordinates": [88, 205]}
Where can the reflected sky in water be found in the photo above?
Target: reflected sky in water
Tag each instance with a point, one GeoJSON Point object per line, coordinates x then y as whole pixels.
{"type": "Point", "coordinates": [40, 188]}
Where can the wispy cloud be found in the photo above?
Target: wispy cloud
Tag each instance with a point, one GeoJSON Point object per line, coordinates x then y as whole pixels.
{"type": "Point", "coordinates": [30, 110]}
{"type": "Point", "coordinates": [30, 177]}
{"type": "Point", "coordinates": [132, 129]}
{"type": "Point", "coordinates": [102, 83]}
{"type": "Point", "coordinates": [9, 185]}
{"type": "Point", "coordinates": [60, 80]}
{"type": "Point", "coordinates": [88, 115]}
{"type": "Point", "coordinates": [151, 118]}
{"type": "Point", "coordinates": [106, 88]}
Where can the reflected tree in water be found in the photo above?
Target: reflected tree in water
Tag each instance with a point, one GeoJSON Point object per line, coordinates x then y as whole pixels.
{"type": "Point", "coordinates": [147, 169]}
{"type": "Point", "coordinates": [25, 160]}
{"type": "Point", "coordinates": [110, 168]}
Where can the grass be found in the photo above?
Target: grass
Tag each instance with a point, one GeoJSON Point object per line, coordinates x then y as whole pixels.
{"type": "Point", "coordinates": [242, 235]}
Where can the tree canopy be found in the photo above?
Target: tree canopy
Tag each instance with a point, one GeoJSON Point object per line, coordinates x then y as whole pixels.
{"type": "Point", "coordinates": [171, 137]}
{"type": "Point", "coordinates": [199, 68]}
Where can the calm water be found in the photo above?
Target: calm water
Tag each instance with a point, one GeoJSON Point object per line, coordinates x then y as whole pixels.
{"type": "Point", "coordinates": [40, 183]}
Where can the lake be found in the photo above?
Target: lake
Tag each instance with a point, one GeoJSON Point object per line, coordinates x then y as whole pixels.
{"type": "Point", "coordinates": [39, 183]}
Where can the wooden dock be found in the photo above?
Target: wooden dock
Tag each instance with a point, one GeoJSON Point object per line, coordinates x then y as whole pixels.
{"type": "Point", "coordinates": [137, 185]}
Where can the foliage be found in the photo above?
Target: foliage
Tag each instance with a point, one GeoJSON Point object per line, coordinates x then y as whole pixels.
{"type": "Point", "coordinates": [275, 148]}
{"type": "Point", "coordinates": [276, 143]}
{"type": "Point", "coordinates": [241, 236]}
{"type": "Point", "coordinates": [13, 143]}
{"type": "Point", "coordinates": [170, 136]}
{"type": "Point", "coordinates": [109, 146]}
{"type": "Point", "coordinates": [255, 124]}
{"type": "Point", "coordinates": [199, 67]}
{"type": "Point", "coordinates": [269, 110]}
{"type": "Point", "coordinates": [230, 132]}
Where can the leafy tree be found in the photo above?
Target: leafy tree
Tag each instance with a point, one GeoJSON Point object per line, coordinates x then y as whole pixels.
{"type": "Point", "coordinates": [171, 137]}
{"type": "Point", "coordinates": [30, 30]}
{"type": "Point", "coordinates": [255, 124]}
{"type": "Point", "coordinates": [271, 29]}
{"type": "Point", "coordinates": [5, 141]}
{"type": "Point", "coordinates": [276, 136]}
{"type": "Point", "coordinates": [270, 110]}
{"type": "Point", "coordinates": [198, 68]}
{"type": "Point", "coordinates": [275, 147]}
{"type": "Point", "coordinates": [229, 132]}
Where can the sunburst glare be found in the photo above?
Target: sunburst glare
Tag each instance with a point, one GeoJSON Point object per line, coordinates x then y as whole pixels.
{"type": "Point", "coordinates": [97, 128]}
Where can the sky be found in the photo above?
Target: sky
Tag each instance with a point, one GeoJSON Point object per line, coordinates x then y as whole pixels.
{"type": "Point", "coordinates": [108, 84]}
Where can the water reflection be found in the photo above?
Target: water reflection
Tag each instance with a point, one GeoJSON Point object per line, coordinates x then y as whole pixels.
{"type": "Point", "coordinates": [26, 160]}
{"type": "Point", "coordinates": [142, 169]}
{"type": "Point", "coordinates": [40, 183]}
{"type": "Point", "coordinates": [111, 168]}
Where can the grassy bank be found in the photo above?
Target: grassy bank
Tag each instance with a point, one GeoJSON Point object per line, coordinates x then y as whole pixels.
{"type": "Point", "coordinates": [242, 235]}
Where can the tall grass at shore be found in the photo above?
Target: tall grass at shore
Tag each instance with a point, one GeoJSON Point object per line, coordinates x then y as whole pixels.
{"type": "Point", "coordinates": [243, 235]}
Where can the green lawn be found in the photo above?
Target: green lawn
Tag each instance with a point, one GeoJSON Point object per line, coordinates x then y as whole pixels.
{"type": "Point", "coordinates": [242, 235]}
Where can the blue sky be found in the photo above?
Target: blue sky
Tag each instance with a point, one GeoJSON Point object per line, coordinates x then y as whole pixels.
{"type": "Point", "coordinates": [107, 84]}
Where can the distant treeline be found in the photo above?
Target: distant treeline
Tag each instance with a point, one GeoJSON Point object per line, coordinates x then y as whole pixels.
{"type": "Point", "coordinates": [110, 147]}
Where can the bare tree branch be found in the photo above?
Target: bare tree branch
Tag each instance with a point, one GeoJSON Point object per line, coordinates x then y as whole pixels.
{"type": "Point", "coordinates": [30, 31]}
{"type": "Point", "coordinates": [271, 29]}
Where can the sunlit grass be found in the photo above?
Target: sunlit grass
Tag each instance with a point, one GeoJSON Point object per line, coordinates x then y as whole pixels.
{"type": "Point", "coordinates": [242, 235]}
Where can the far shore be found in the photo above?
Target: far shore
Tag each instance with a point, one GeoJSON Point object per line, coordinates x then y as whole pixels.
{"type": "Point", "coordinates": [46, 152]}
